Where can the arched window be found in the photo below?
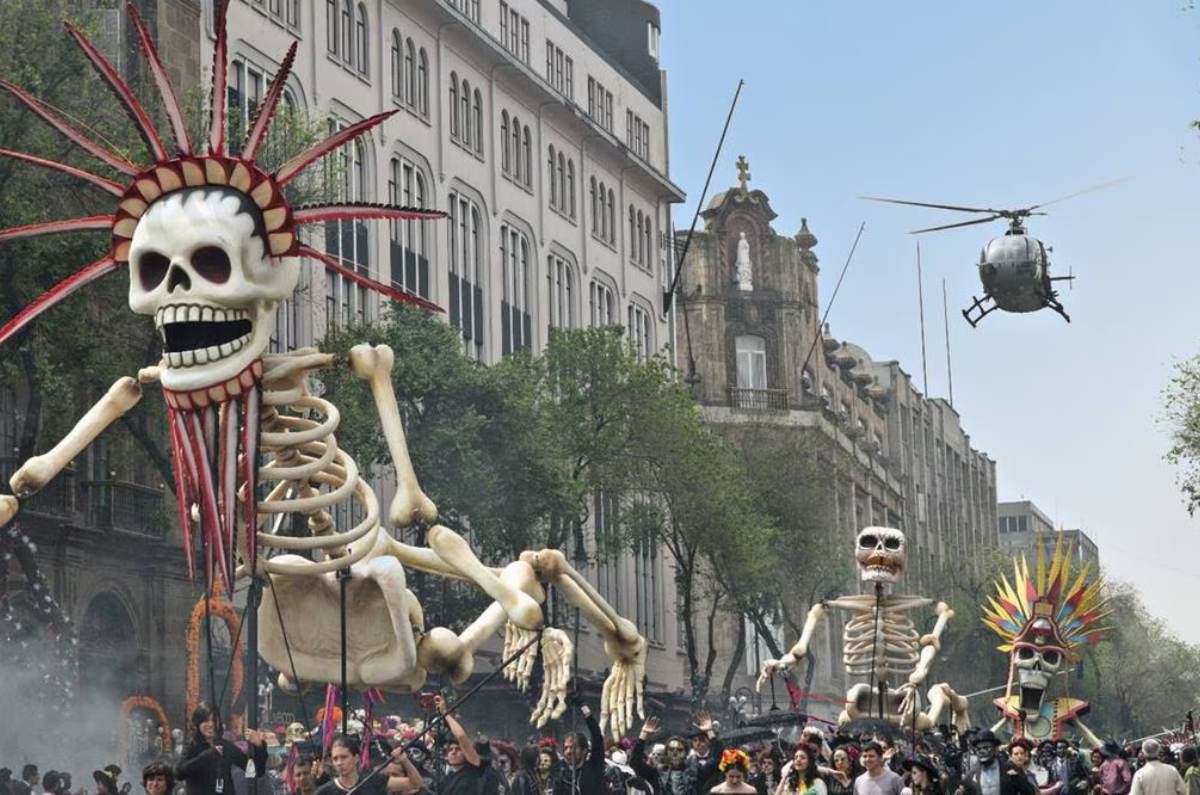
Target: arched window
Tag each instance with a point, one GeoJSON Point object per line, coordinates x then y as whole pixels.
{"type": "Point", "coordinates": [592, 196]}
{"type": "Point", "coordinates": [453, 105]}
{"type": "Point", "coordinates": [571, 188]}
{"type": "Point", "coordinates": [631, 234]}
{"type": "Point", "coordinates": [518, 167]}
{"type": "Point", "coordinates": [477, 109]}
{"type": "Point", "coordinates": [528, 157]}
{"type": "Point", "coordinates": [751, 362]}
{"type": "Point", "coordinates": [348, 31]}
{"type": "Point", "coordinates": [612, 214]}
{"type": "Point", "coordinates": [553, 182]}
{"type": "Point", "coordinates": [464, 119]}
{"type": "Point", "coordinates": [397, 74]}
{"type": "Point", "coordinates": [505, 144]}
{"type": "Point", "coordinates": [331, 26]}
{"type": "Point", "coordinates": [562, 182]}
{"type": "Point", "coordinates": [410, 88]}
{"type": "Point", "coordinates": [360, 33]}
{"type": "Point", "coordinates": [514, 305]}
{"type": "Point", "coordinates": [423, 83]}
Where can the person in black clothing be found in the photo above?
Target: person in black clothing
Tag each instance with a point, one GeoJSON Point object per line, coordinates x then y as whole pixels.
{"type": "Point", "coordinates": [466, 773]}
{"type": "Point", "coordinates": [993, 771]}
{"type": "Point", "coordinates": [400, 776]}
{"type": "Point", "coordinates": [106, 781]}
{"type": "Point", "coordinates": [208, 761]}
{"type": "Point", "coordinates": [682, 776]}
{"type": "Point", "coordinates": [584, 757]}
{"type": "Point", "coordinates": [525, 781]}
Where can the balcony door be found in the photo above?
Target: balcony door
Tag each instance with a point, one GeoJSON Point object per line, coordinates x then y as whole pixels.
{"type": "Point", "coordinates": [751, 362]}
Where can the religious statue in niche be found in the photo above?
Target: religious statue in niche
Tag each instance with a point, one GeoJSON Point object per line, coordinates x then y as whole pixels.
{"type": "Point", "coordinates": [743, 267]}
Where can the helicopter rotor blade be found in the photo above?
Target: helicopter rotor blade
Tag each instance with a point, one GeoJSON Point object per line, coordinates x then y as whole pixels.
{"type": "Point", "coordinates": [935, 206]}
{"type": "Point", "coordinates": [1092, 189]}
{"type": "Point", "coordinates": [955, 226]}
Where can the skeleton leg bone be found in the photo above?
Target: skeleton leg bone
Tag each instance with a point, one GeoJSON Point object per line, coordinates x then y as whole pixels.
{"type": "Point", "coordinates": [35, 473]}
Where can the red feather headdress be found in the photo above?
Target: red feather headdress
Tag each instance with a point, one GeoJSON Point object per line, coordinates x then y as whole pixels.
{"type": "Point", "coordinates": [184, 169]}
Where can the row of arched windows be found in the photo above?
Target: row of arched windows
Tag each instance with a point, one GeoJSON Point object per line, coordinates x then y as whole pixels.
{"type": "Point", "coordinates": [640, 241]}
{"type": "Point", "coordinates": [346, 33]}
{"type": "Point", "coordinates": [604, 212]}
{"type": "Point", "coordinates": [466, 114]}
{"type": "Point", "coordinates": [561, 172]}
{"type": "Point", "coordinates": [516, 150]}
{"type": "Point", "coordinates": [410, 74]}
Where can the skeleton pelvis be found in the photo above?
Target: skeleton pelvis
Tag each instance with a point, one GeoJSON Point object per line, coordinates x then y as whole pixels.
{"type": "Point", "coordinates": [380, 612]}
{"type": "Point", "coordinates": [864, 703]}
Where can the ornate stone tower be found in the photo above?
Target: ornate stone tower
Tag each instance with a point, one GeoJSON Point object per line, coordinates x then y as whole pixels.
{"type": "Point", "coordinates": [750, 298]}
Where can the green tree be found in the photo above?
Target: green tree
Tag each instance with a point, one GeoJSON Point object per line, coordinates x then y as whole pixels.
{"type": "Point", "coordinates": [1181, 416]}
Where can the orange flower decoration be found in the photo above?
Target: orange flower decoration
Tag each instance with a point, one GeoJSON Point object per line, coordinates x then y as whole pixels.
{"type": "Point", "coordinates": [734, 757]}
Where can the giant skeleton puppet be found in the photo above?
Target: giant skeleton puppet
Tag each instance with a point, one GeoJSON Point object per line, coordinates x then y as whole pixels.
{"type": "Point", "coordinates": [212, 248]}
{"type": "Point", "coordinates": [881, 644]}
{"type": "Point", "coordinates": [1044, 620]}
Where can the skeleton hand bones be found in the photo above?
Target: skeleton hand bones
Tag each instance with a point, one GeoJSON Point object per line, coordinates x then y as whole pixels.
{"type": "Point", "coordinates": [797, 652]}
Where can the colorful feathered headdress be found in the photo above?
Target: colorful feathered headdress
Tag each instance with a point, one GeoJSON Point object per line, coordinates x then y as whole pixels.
{"type": "Point", "coordinates": [1049, 607]}
{"type": "Point", "coordinates": [168, 171]}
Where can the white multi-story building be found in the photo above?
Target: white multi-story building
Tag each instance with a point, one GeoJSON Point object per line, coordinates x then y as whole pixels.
{"type": "Point", "coordinates": [540, 127]}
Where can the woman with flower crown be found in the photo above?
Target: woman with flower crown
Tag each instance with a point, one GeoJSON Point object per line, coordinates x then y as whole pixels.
{"type": "Point", "coordinates": [735, 766]}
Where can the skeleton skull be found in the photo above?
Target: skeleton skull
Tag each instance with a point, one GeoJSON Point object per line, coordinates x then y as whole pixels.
{"type": "Point", "coordinates": [881, 553]}
{"type": "Point", "coordinates": [199, 264]}
{"type": "Point", "coordinates": [1036, 661]}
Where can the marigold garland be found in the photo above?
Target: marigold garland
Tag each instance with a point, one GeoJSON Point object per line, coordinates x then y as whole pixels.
{"type": "Point", "coordinates": [734, 757]}
{"type": "Point", "coordinates": [223, 610]}
{"type": "Point", "coordinates": [147, 703]}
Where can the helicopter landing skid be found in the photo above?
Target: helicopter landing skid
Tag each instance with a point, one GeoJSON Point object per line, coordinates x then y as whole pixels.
{"type": "Point", "coordinates": [1053, 303]}
{"type": "Point", "coordinates": [980, 309]}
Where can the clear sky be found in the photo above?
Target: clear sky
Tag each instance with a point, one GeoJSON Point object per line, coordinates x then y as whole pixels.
{"type": "Point", "coordinates": [987, 104]}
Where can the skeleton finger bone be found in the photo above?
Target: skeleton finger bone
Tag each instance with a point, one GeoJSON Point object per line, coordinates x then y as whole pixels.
{"type": "Point", "coordinates": [39, 470]}
{"type": "Point", "coordinates": [8, 508]}
{"type": "Point", "coordinates": [410, 505]}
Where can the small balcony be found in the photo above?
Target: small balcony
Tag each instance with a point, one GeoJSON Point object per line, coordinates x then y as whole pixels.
{"type": "Point", "coordinates": [758, 399]}
{"type": "Point", "coordinates": [119, 505]}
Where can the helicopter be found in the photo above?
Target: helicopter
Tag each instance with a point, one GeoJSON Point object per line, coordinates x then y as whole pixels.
{"type": "Point", "coordinates": [1015, 268]}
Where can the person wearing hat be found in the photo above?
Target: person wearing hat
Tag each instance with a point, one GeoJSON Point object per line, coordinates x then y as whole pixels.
{"type": "Point", "coordinates": [106, 780]}
{"type": "Point", "coordinates": [993, 775]}
{"type": "Point", "coordinates": [924, 778]}
{"type": "Point", "coordinates": [1156, 777]}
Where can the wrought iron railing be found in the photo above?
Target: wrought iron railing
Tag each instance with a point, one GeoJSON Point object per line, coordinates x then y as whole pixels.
{"type": "Point", "coordinates": [119, 505]}
{"type": "Point", "coordinates": [758, 399]}
{"type": "Point", "coordinates": [58, 498]}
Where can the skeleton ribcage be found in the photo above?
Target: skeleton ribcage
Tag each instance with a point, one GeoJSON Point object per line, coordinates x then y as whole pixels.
{"type": "Point", "coordinates": [880, 642]}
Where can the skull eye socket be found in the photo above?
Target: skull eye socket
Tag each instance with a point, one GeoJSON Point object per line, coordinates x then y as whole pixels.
{"type": "Point", "coordinates": [891, 543]}
{"type": "Point", "coordinates": [1025, 654]}
{"type": "Point", "coordinates": [212, 263]}
{"type": "Point", "coordinates": [1050, 657]}
{"type": "Point", "coordinates": [868, 542]}
{"type": "Point", "coordinates": [152, 269]}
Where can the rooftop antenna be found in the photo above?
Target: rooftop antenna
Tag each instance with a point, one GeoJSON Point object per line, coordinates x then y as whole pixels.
{"type": "Point", "coordinates": [949, 367]}
{"type": "Point", "coordinates": [921, 307]}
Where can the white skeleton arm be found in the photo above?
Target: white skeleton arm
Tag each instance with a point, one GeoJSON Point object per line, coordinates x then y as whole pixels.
{"type": "Point", "coordinates": [798, 651]}
{"type": "Point", "coordinates": [931, 644]}
{"type": "Point", "coordinates": [39, 470]}
{"type": "Point", "coordinates": [410, 505]}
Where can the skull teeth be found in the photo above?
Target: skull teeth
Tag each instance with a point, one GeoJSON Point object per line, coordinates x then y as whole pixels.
{"type": "Point", "coordinates": [196, 313]}
{"type": "Point", "coordinates": [207, 355]}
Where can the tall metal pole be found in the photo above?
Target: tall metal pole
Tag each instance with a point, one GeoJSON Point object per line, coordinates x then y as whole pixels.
{"type": "Point", "coordinates": [949, 367]}
{"type": "Point", "coordinates": [253, 597]}
{"type": "Point", "coordinates": [921, 307]}
{"type": "Point", "coordinates": [343, 579]}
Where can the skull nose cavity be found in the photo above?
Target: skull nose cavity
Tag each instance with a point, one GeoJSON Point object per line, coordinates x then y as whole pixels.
{"type": "Point", "coordinates": [178, 278]}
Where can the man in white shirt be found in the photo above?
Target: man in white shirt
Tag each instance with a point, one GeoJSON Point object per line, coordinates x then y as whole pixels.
{"type": "Point", "coordinates": [1155, 777]}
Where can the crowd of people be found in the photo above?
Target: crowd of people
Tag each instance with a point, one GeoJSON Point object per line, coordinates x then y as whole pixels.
{"type": "Point", "coordinates": [440, 757]}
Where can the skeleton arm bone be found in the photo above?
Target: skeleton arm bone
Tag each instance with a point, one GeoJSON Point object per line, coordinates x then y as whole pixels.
{"type": "Point", "coordinates": [410, 505]}
{"type": "Point", "coordinates": [797, 652]}
{"type": "Point", "coordinates": [623, 691]}
{"type": "Point", "coordinates": [930, 644]}
{"type": "Point", "coordinates": [1088, 734]}
{"type": "Point", "coordinates": [35, 473]}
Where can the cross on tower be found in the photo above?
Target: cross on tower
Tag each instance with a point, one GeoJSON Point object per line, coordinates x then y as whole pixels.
{"type": "Point", "coordinates": [743, 167]}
